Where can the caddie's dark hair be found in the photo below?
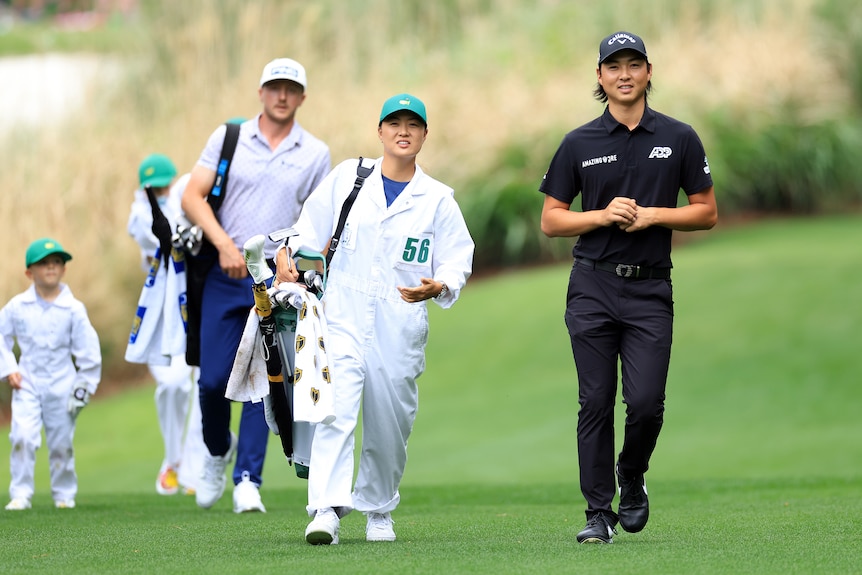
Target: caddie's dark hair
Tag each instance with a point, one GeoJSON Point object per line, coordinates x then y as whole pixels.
{"type": "Point", "coordinates": [600, 95]}
{"type": "Point", "coordinates": [412, 113]}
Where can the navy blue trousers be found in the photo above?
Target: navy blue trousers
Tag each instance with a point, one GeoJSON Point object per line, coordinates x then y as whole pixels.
{"type": "Point", "coordinates": [224, 310]}
{"type": "Point", "coordinates": [613, 322]}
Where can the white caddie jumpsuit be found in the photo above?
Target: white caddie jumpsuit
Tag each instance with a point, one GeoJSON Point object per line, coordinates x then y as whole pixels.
{"type": "Point", "coordinates": [376, 342]}
{"type": "Point", "coordinates": [49, 335]}
{"type": "Point", "coordinates": [176, 396]}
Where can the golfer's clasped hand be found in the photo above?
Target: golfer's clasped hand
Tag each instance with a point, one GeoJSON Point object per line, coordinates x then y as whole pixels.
{"type": "Point", "coordinates": [627, 215]}
{"type": "Point", "coordinates": [621, 211]}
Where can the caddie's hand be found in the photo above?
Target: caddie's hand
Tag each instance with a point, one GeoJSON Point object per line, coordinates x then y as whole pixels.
{"type": "Point", "coordinates": [285, 268]}
{"type": "Point", "coordinates": [232, 263]}
{"type": "Point", "coordinates": [620, 211]}
{"type": "Point", "coordinates": [78, 400]}
{"type": "Point", "coordinates": [14, 380]}
{"type": "Point", "coordinates": [426, 290]}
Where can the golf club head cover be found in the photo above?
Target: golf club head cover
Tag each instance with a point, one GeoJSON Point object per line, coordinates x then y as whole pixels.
{"type": "Point", "coordinates": [255, 260]}
{"type": "Point", "coordinates": [269, 414]}
{"type": "Point", "coordinates": [161, 226]}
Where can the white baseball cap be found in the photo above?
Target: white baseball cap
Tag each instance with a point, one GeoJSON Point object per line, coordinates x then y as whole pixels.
{"type": "Point", "coordinates": [284, 69]}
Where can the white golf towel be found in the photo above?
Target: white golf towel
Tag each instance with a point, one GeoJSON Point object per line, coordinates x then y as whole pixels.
{"type": "Point", "coordinates": [248, 380]}
{"type": "Point", "coordinates": [313, 399]}
{"type": "Point", "coordinates": [159, 327]}
{"type": "Point", "coordinates": [313, 395]}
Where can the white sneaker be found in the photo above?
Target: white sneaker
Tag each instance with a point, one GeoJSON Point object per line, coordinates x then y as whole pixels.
{"type": "Point", "coordinates": [18, 504]}
{"type": "Point", "coordinates": [323, 529]}
{"type": "Point", "coordinates": [379, 527]}
{"type": "Point", "coordinates": [65, 504]}
{"type": "Point", "coordinates": [255, 261]}
{"type": "Point", "coordinates": [246, 496]}
{"type": "Point", "coordinates": [166, 482]}
{"type": "Point", "coordinates": [212, 483]}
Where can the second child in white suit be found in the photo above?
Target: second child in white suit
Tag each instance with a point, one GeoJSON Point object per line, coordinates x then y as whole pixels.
{"type": "Point", "coordinates": [176, 396]}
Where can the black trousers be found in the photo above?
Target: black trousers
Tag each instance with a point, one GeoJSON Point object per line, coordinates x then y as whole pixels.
{"type": "Point", "coordinates": [615, 321]}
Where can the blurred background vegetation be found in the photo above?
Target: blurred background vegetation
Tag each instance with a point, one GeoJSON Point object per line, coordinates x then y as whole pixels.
{"type": "Point", "coordinates": [774, 88]}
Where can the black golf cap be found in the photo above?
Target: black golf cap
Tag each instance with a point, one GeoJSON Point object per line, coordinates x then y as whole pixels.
{"type": "Point", "coordinates": [621, 41]}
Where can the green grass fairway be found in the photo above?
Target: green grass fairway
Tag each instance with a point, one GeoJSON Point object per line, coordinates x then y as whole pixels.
{"type": "Point", "coordinates": [758, 469]}
{"type": "Point", "coordinates": [697, 527]}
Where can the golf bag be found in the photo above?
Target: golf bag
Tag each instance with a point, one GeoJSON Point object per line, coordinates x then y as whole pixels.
{"type": "Point", "coordinates": [278, 321]}
{"type": "Point", "coordinates": [201, 254]}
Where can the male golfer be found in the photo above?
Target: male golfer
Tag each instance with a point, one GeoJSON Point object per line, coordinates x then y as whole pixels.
{"type": "Point", "coordinates": [276, 165]}
{"type": "Point", "coordinates": [629, 165]}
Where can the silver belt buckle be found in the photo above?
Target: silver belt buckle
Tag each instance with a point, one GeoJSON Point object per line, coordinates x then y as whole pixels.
{"type": "Point", "coordinates": [625, 271]}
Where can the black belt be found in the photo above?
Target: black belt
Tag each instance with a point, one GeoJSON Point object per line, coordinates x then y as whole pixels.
{"type": "Point", "coordinates": [631, 272]}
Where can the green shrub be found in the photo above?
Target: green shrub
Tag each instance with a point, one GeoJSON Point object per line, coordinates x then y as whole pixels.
{"type": "Point", "coordinates": [790, 167]}
{"type": "Point", "coordinates": [503, 208]}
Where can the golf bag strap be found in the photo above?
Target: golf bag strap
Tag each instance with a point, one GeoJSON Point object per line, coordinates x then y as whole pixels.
{"type": "Point", "coordinates": [361, 173]}
{"type": "Point", "coordinates": [197, 266]}
{"type": "Point", "coordinates": [217, 193]}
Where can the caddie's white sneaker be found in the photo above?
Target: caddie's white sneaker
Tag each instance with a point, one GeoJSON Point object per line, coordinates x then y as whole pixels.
{"type": "Point", "coordinates": [246, 496]}
{"type": "Point", "coordinates": [323, 529]}
{"type": "Point", "coordinates": [166, 482]}
{"type": "Point", "coordinates": [255, 260]}
{"type": "Point", "coordinates": [65, 504]}
{"type": "Point", "coordinates": [212, 483]}
{"type": "Point", "coordinates": [18, 504]}
{"type": "Point", "coordinates": [379, 527]}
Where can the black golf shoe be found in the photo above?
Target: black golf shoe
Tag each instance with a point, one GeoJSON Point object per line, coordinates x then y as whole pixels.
{"type": "Point", "coordinates": [634, 504]}
{"type": "Point", "coordinates": [599, 529]}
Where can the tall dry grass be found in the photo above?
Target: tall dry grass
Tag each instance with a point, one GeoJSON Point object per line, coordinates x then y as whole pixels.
{"type": "Point", "coordinates": [490, 72]}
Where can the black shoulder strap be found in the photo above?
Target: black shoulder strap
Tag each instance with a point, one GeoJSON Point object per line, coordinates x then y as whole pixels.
{"type": "Point", "coordinates": [361, 174]}
{"type": "Point", "coordinates": [216, 195]}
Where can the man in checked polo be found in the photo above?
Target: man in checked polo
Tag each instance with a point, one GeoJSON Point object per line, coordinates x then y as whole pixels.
{"type": "Point", "coordinates": [276, 165]}
{"type": "Point", "coordinates": [628, 165]}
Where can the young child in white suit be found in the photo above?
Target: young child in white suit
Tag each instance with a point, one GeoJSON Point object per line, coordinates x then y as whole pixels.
{"type": "Point", "coordinates": [59, 368]}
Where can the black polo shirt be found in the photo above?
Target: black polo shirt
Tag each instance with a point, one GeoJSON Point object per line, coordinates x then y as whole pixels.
{"type": "Point", "coordinates": [603, 159]}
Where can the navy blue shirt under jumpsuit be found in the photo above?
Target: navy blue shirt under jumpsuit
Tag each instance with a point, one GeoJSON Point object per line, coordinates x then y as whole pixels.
{"type": "Point", "coordinates": [619, 305]}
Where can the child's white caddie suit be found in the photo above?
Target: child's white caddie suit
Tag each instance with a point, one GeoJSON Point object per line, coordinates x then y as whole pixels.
{"type": "Point", "coordinates": [49, 335]}
{"type": "Point", "coordinates": [176, 382]}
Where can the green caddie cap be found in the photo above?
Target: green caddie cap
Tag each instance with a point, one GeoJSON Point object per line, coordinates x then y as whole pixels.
{"type": "Point", "coordinates": [42, 248]}
{"type": "Point", "coordinates": [157, 170]}
{"type": "Point", "coordinates": [403, 102]}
